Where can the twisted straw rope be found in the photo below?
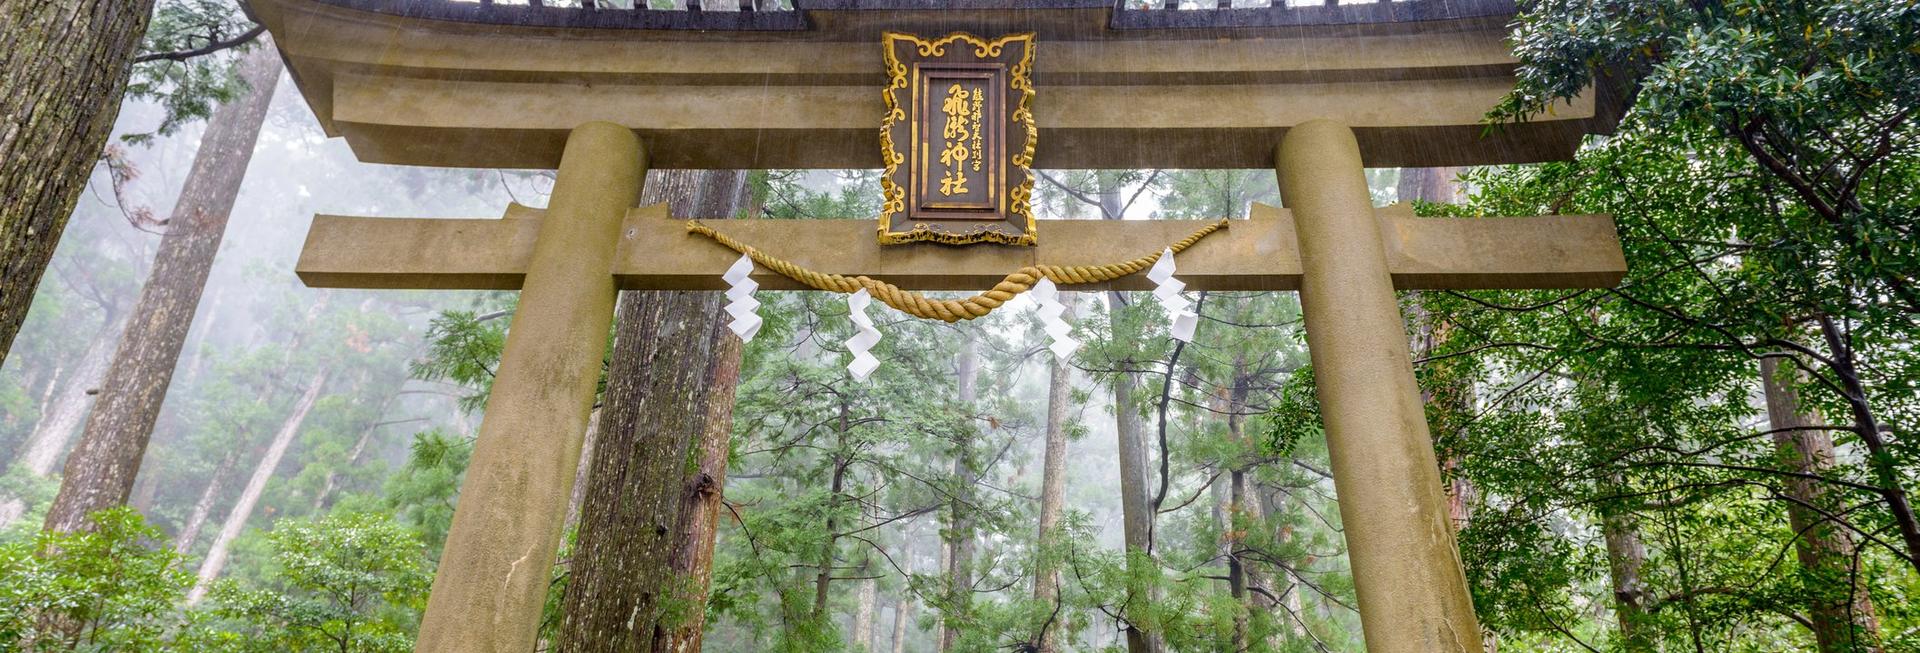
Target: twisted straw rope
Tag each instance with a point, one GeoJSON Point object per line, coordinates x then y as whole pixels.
{"type": "Point", "coordinates": [950, 310]}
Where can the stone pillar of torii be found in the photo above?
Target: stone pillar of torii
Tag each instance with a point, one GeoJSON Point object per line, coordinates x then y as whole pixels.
{"type": "Point", "coordinates": [1346, 257]}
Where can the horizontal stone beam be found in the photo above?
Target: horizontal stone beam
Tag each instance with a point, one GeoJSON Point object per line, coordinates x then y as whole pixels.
{"type": "Point", "coordinates": [657, 253]}
{"type": "Point", "coordinates": [520, 125]}
{"type": "Point", "coordinates": [409, 91]}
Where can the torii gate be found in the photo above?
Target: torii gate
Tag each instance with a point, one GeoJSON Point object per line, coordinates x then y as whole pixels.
{"type": "Point", "coordinates": [1313, 92]}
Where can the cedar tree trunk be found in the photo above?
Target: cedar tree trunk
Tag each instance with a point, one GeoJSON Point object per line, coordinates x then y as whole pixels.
{"type": "Point", "coordinates": [1837, 604]}
{"type": "Point", "coordinates": [700, 499]}
{"type": "Point", "coordinates": [1626, 555]}
{"type": "Point", "coordinates": [960, 533]}
{"type": "Point", "coordinates": [100, 472]}
{"type": "Point", "coordinates": [1053, 487]}
{"type": "Point", "coordinates": [63, 67]}
{"type": "Point", "coordinates": [655, 407]}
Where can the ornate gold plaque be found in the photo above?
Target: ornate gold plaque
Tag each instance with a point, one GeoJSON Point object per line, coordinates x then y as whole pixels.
{"type": "Point", "coordinates": [958, 140]}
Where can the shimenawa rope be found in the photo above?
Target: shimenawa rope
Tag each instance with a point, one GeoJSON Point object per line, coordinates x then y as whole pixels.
{"type": "Point", "coordinates": [950, 310]}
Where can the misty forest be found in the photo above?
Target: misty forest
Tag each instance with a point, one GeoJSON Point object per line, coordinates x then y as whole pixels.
{"type": "Point", "coordinates": [1719, 454]}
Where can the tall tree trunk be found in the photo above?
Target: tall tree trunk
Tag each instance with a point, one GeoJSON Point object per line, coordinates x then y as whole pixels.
{"type": "Point", "coordinates": [903, 608]}
{"type": "Point", "coordinates": [902, 615]}
{"type": "Point", "coordinates": [1285, 585]}
{"type": "Point", "coordinates": [1053, 489]}
{"type": "Point", "coordinates": [1436, 185]}
{"type": "Point", "coordinates": [1237, 576]}
{"type": "Point", "coordinates": [862, 631]}
{"type": "Point", "coordinates": [101, 471]}
{"type": "Point", "coordinates": [1136, 516]}
{"type": "Point", "coordinates": [1428, 185]}
{"type": "Point", "coordinates": [1262, 595]}
{"type": "Point", "coordinates": [582, 471]}
{"type": "Point", "coordinates": [655, 406]}
{"type": "Point", "coordinates": [58, 424]}
{"type": "Point", "coordinates": [1626, 555]}
{"type": "Point", "coordinates": [1135, 521]}
{"type": "Point", "coordinates": [1238, 517]}
{"type": "Point", "coordinates": [203, 507]}
{"type": "Point", "coordinates": [30, 383]}
{"type": "Point", "coordinates": [823, 577]}
{"type": "Point", "coordinates": [63, 67]}
{"type": "Point", "coordinates": [243, 509]}
{"type": "Point", "coordinates": [701, 496]}
{"type": "Point", "coordinates": [1838, 605]}
{"type": "Point", "coordinates": [197, 350]}
{"type": "Point", "coordinates": [62, 417]}
{"type": "Point", "coordinates": [960, 533]}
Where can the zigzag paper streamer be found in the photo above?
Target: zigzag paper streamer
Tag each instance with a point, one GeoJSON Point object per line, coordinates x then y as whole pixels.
{"type": "Point", "coordinates": [863, 363]}
{"type": "Point", "coordinates": [741, 304]}
{"type": "Point", "coordinates": [1168, 292]}
{"type": "Point", "coordinates": [1051, 312]}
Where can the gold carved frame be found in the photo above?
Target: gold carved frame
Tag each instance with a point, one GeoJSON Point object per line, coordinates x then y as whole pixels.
{"type": "Point", "coordinates": [1020, 197]}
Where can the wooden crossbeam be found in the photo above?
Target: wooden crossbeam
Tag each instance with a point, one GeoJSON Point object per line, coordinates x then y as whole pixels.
{"type": "Point", "coordinates": [656, 252]}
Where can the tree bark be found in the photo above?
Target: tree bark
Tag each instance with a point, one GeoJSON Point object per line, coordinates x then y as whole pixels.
{"type": "Point", "coordinates": [1053, 488]}
{"type": "Point", "coordinates": [701, 497]}
{"type": "Point", "coordinates": [581, 472]}
{"type": "Point", "coordinates": [100, 472]}
{"type": "Point", "coordinates": [1626, 555]}
{"type": "Point", "coordinates": [63, 67]}
{"type": "Point", "coordinates": [902, 615]}
{"type": "Point", "coordinates": [1838, 605]}
{"type": "Point", "coordinates": [655, 384]}
{"type": "Point", "coordinates": [1136, 516]}
{"type": "Point", "coordinates": [823, 576]}
{"type": "Point", "coordinates": [1136, 523]}
{"type": "Point", "coordinates": [960, 532]}
{"type": "Point", "coordinates": [1428, 185]}
{"type": "Point", "coordinates": [1237, 517]}
{"type": "Point", "coordinates": [655, 406]}
{"type": "Point", "coordinates": [250, 496]}
{"type": "Point", "coordinates": [862, 631]}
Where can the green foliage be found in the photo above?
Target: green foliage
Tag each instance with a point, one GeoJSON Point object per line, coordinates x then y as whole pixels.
{"type": "Point", "coordinates": [1635, 403]}
{"type": "Point", "coordinates": [35, 493]}
{"type": "Point", "coordinates": [105, 589]}
{"type": "Point", "coordinates": [1764, 183]}
{"type": "Point", "coordinates": [191, 87]}
{"type": "Point", "coordinates": [422, 492]}
{"type": "Point", "coordinates": [465, 349]}
{"type": "Point", "coordinates": [347, 582]}
{"type": "Point", "coordinates": [1819, 96]}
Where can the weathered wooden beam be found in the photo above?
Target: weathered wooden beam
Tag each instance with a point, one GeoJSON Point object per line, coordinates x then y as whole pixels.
{"type": "Point", "coordinates": [656, 252]}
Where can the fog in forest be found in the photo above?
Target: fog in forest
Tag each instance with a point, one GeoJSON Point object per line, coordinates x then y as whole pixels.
{"type": "Point", "coordinates": [1714, 453]}
{"type": "Point", "coordinates": [259, 332]}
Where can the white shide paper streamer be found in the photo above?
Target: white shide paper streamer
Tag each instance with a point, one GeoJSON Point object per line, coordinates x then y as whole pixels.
{"type": "Point", "coordinates": [863, 363]}
{"type": "Point", "coordinates": [1168, 292]}
{"type": "Point", "coordinates": [1047, 296]}
{"type": "Point", "coordinates": [741, 304]}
